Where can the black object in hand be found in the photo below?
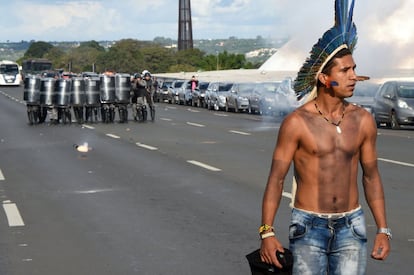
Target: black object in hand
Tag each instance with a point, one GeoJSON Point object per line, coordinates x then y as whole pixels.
{"type": "Point", "coordinates": [258, 267]}
{"type": "Point", "coordinates": [285, 258]}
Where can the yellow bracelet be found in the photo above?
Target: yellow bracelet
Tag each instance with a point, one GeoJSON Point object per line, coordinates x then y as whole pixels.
{"type": "Point", "coordinates": [265, 227]}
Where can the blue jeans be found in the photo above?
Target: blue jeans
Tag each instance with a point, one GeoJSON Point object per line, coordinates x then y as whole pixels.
{"type": "Point", "coordinates": [328, 245]}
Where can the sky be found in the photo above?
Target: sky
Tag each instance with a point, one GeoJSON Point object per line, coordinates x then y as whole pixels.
{"type": "Point", "coordinates": [385, 28]}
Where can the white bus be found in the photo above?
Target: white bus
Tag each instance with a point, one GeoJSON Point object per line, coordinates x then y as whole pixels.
{"type": "Point", "coordinates": [10, 73]}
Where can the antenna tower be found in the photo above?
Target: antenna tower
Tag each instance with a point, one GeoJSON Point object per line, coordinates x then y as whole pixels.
{"type": "Point", "coordinates": [185, 29]}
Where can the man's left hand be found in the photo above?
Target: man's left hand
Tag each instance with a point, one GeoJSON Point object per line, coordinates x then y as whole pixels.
{"type": "Point", "coordinates": [381, 247]}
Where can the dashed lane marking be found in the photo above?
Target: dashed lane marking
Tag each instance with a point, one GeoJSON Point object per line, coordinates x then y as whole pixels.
{"type": "Point", "coordinates": [113, 136]}
{"type": "Point", "coordinates": [196, 124]}
{"type": "Point", "coordinates": [146, 146]}
{"type": "Point", "coordinates": [239, 133]}
{"type": "Point", "coordinates": [203, 165]}
{"type": "Point", "coordinates": [165, 119]}
{"type": "Point", "coordinates": [218, 114]}
{"type": "Point", "coordinates": [88, 126]}
{"type": "Point", "coordinates": [12, 213]}
{"type": "Point", "coordinates": [1, 175]}
{"type": "Point", "coordinates": [397, 162]}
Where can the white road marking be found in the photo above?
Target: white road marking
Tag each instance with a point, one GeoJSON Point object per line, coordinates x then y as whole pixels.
{"type": "Point", "coordinates": [165, 119]}
{"type": "Point", "coordinates": [12, 213]}
{"type": "Point", "coordinates": [397, 162]}
{"type": "Point", "coordinates": [146, 146]}
{"type": "Point", "coordinates": [94, 191]}
{"type": "Point", "coordinates": [113, 136]}
{"type": "Point", "coordinates": [218, 114]}
{"type": "Point", "coordinates": [196, 124]}
{"type": "Point", "coordinates": [239, 132]}
{"type": "Point", "coordinates": [193, 110]}
{"type": "Point", "coordinates": [88, 126]}
{"type": "Point", "coordinates": [203, 165]}
{"type": "Point", "coordinates": [1, 175]}
{"type": "Point", "coordinates": [27, 260]}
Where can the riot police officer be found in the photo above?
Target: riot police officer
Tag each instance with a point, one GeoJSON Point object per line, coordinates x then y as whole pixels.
{"type": "Point", "coordinates": [149, 92]}
{"type": "Point", "coordinates": [137, 97]}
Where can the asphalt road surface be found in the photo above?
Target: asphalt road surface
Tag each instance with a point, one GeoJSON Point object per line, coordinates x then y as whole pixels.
{"type": "Point", "coordinates": [181, 195]}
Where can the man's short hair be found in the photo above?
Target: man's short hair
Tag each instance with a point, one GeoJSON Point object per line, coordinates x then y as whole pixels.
{"type": "Point", "coordinates": [328, 67]}
{"type": "Point", "coordinates": [331, 63]}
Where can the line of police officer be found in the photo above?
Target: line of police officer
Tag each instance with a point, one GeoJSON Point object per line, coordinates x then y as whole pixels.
{"type": "Point", "coordinates": [89, 97]}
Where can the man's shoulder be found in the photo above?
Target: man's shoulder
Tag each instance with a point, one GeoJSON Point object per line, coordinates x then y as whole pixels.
{"type": "Point", "coordinates": [296, 118]}
{"type": "Point", "coordinates": [299, 113]}
{"type": "Point", "coordinates": [359, 112]}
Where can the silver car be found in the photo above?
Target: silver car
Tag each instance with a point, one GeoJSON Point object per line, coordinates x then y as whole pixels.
{"type": "Point", "coordinates": [199, 95]}
{"type": "Point", "coordinates": [364, 94]}
{"type": "Point", "coordinates": [394, 104]}
{"type": "Point", "coordinates": [185, 94]}
{"type": "Point", "coordinates": [216, 95]}
{"type": "Point", "coordinates": [263, 98]}
{"type": "Point", "coordinates": [176, 85]}
{"type": "Point", "coordinates": [238, 98]}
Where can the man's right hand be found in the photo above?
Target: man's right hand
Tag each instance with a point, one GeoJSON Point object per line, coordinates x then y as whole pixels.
{"type": "Point", "coordinates": [268, 251]}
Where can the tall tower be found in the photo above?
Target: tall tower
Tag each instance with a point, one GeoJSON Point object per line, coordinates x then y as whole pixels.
{"type": "Point", "coordinates": [185, 29]}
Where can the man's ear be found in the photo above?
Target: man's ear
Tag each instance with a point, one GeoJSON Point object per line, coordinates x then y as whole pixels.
{"type": "Point", "coordinates": [325, 80]}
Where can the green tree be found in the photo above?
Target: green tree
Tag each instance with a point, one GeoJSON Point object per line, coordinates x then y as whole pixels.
{"type": "Point", "coordinates": [92, 44]}
{"type": "Point", "coordinates": [38, 50]}
{"type": "Point", "coordinates": [192, 58]}
{"type": "Point", "coordinates": [124, 56]}
{"type": "Point", "coordinates": [57, 56]}
{"type": "Point", "coordinates": [157, 59]}
{"type": "Point", "coordinates": [83, 57]}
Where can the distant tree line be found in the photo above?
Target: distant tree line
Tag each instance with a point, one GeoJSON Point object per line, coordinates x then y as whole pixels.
{"type": "Point", "coordinates": [131, 55]}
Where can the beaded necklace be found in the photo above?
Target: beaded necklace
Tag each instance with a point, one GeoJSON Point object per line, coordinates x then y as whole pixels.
{"type": "Point", "coordinates": [338, 129]}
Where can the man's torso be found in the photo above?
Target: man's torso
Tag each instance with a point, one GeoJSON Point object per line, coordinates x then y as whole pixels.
{"type": "Point", "coordinates": [326, 161]}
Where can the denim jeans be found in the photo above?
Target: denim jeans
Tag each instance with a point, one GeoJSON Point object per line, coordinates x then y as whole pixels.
{"type": "Point", "coordinates": [328, 245]}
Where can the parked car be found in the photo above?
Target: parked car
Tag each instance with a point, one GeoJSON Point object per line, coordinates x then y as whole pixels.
{"type": "Point", "coordinates": [212, 87]}
{"type": "Point", "coordinates": [50, 74]}
{"type": "Point", "coordinates": [364, 94]}
{"type": "Point", "coordinates": [217, 94]}
{"type": "Point", "coordinates": [185, 94]}
{"type": "Point", "coordinates": [286, 99]}
{"type": "Point", "coordinates": [263, 98]}
{"type": "Point", "coordinates": [394, 104]}
{"type": "Point", "coordinates": [238, 98]}
{"type": "Point", "coordinates": [89, 74]}
{"type": "Point", "coordinates": [173, 91]}
{"type": "Point", "coordinates": [163, 91]}
{"type": "Point", "coordinates": [67, 75]}
{"type": "Point", "coordinates": [199, 94]}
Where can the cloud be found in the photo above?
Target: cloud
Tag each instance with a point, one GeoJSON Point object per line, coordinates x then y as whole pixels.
{"type": "Point", "coordinates": [384, 27]}
{"type": "Point", "coordinates": [385, 33]}
{"type": "Point", "coordinates": [69, 20]}
{"type": "Point", "coordinates": [392, 30]}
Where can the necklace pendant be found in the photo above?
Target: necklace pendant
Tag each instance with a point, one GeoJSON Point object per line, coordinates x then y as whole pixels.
{"type": "Point", "coordinates": [338, 130]}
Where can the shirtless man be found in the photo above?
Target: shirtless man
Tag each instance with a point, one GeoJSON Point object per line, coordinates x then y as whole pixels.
{"type": "Point", "coordinates": [326, 138]}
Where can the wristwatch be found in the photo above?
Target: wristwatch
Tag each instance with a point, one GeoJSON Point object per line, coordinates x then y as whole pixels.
{"type": "Point", "coordinates": [386, 231]}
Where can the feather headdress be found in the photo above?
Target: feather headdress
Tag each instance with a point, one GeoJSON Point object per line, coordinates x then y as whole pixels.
{"type": "Point", "coordinates": [342, 35]}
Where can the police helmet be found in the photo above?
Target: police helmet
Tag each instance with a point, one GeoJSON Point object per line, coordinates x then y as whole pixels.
{"type": "Point", "coordinates": [146, 73]}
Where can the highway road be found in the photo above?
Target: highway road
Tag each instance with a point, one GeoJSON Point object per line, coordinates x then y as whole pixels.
{"type": "Point", "coordinates": [181, 195]}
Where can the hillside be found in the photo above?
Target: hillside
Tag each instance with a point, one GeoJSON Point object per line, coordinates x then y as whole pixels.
{"type": "Point", "coordinates": [256, 50]}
